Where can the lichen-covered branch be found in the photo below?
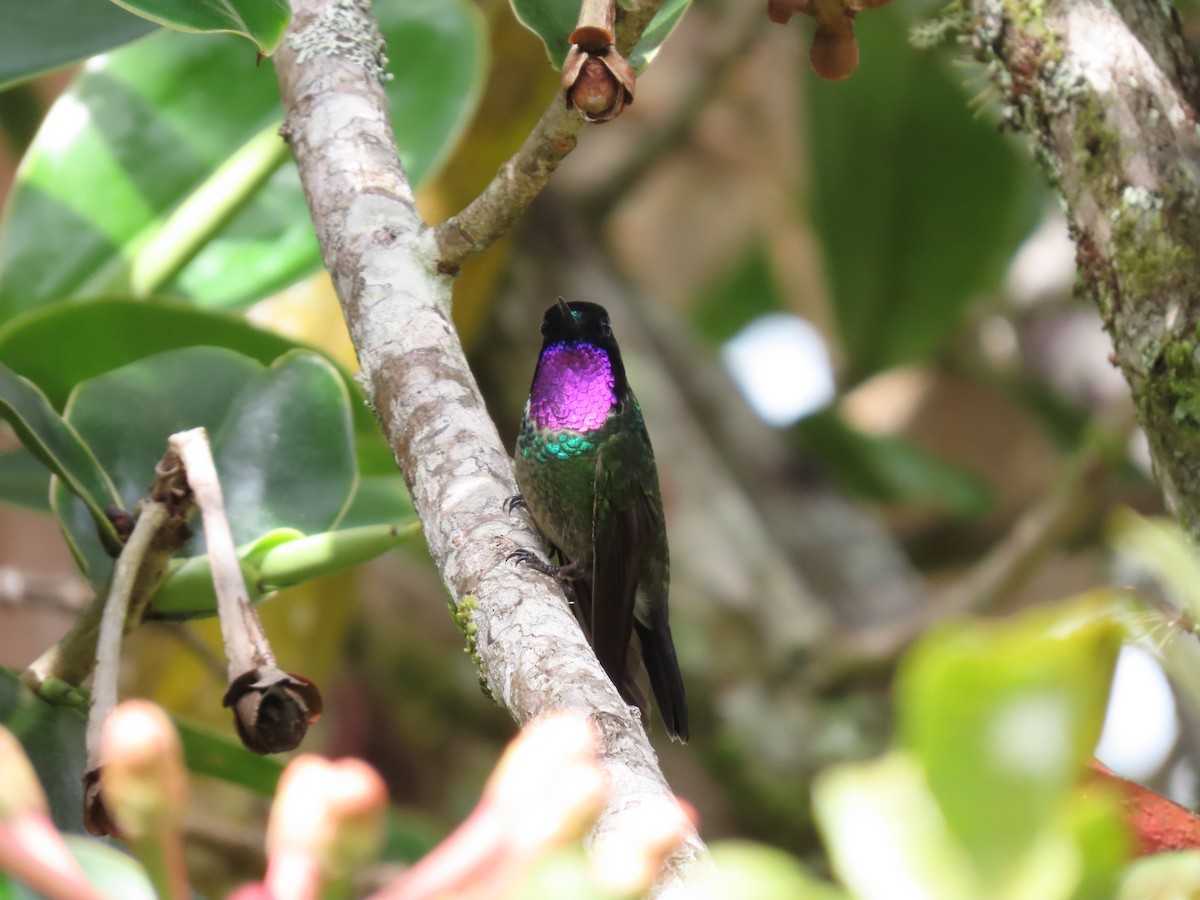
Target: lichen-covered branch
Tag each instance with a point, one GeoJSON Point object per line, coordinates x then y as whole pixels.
{"type": "Point", "coordinates": [1108, 94]}
{"type": "Point", "coordinates": [490, 215]}
{"type": "Point", "coordinates": [385, 267]}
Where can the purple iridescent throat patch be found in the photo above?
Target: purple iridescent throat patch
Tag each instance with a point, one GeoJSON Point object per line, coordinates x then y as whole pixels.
{"type": "Point", "coordinates": [573, 389]}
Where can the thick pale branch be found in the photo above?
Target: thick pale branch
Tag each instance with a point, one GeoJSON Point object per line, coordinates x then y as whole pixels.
{"type": "Point", "coordinates": [385, 267]}
{"type": "Point", "coordinates": [490, 215]}
{"type": "Point", "coordinates": [1108, 95]}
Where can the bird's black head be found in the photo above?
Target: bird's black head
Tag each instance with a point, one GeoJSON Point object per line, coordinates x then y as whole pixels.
{"type": "Point", "coordinates": [584, 323]}
{"type": "Point", "coordinates": [578, 322]}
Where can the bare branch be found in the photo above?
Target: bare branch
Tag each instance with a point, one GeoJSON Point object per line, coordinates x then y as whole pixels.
{"type": "Point", "coordinates": [385, 268]}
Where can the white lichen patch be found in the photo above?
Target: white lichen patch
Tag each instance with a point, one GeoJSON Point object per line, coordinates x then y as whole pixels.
{"type": "Point", "coordinates": [1138, 201]}
{"type": "Point", "coordinates": [346, 30]}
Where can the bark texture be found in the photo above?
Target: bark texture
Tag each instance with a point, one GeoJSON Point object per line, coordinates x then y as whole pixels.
{"type": "Point", "coordinates": [384, 261]}
{"type": "Point", "coordinates": [1108, 94]}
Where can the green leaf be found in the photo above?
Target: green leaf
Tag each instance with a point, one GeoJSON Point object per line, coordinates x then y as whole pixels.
{"type": "Point", "coordinates": [208, 753]}
{"type": "Point", "coordinates": [889, 470]}
{"type": "Point", "coordinates": [758, 872]}
{"type": "Point", "coordinates": [24, 481]}
{"type": "Point", "coordinates": [112, 872]}
{"type": "Point", "coordinates": [281, 437]}
{"type": "Point", "coordinates": [59, 447]}
{"type": "Point", "coordinates": [660, 28]}
{"type": "Point", "coordinates": [60, 345]}
{"type": "Point", "coordinates": [554, 20]}
{"type": "Point", "coordinates": [379, 498]}
{"type": "Point", "coordinates": [143, 139]}
{"type": "Point", "coordinates": [262, 21]}
{"type": "Point", "coordinates": [1157, 549]}
{"type": "Point", "coordinates": [41, 36]}
{"type": "Point", "coordinates": [135, 134]}
{"type": "Point", "coordinates": [1164, 876]}
{"type": "Point", "coordinates": [53, 740]}
{"type": "Point", "coordinates": [1002, 715]}
{"type": "Point", "coordinates": [918, 204]}
{"type": "Point", "coordinates": [886, 836]}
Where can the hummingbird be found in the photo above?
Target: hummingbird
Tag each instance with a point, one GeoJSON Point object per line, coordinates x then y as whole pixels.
{"type": "Point", "coordinates": [587, 476]}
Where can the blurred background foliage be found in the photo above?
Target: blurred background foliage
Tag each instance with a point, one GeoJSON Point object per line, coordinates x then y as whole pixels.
{"type": "Point", "coordinates": [846, 308]}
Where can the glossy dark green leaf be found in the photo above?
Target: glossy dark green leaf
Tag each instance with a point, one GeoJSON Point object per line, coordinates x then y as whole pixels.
{"type": "Point", "coordinates": [41, 36]}
{"type": "Point", "coordinates": [59, 345]}
{"type": "Point", "coordinates": [59, 447]}
{"type": "Point", "coordinates": [262, 21]}
{"type": "Point", "coordinates": [918, 202]}
{"type": "Point", "coordinates": [24, 481]}
{"type": "Point", "coordinates": [53, 740]}
{"type": "Point", "coordinates": [379, 498]}
{"type": "Point", "coordinates": [1003, 716]}
{"type": "Point", "coordinates": [133, 136]}
{"type": "Point", "coordinates": [554, 20]}
{"type": "Point", "coordinates": [151, 127]}
{"type": "Point", "coordinates": [281, 436]}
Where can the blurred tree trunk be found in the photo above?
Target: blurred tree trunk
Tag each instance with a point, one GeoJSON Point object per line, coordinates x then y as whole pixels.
{"type": "Point", "coordinates": [1107, 94]}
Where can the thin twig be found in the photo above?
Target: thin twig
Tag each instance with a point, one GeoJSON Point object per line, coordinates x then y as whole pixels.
{"type": "Point", "coordinates": [492, 214]}
{"type": "Point", "coordinates": [246, 645]}
{"type": "Point", "coordinates": [112, 624]}
{"type": "Point", "coordinates": [72, 658]}
{"type": "Point", "coordinates": [726, 45]}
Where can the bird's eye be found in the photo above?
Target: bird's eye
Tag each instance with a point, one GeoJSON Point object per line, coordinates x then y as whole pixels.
{"type": "Point", "coordinates": [606, 328]}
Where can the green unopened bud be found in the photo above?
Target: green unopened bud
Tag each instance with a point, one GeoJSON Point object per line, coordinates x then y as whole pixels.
{"type": "Point", "coordinates": [143, 780]}
{"type": "Point", "coordinates": [327, 821]}
{"type": "Point", "coordinates": [548, 786]}
{"type": "Point", "coordinates": [20, 790]}
{"type": "Point", "coordinates": [628, 860]}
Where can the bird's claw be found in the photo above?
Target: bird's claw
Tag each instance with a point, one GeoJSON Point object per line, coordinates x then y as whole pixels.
{"type": "Point", "coordinates": [516, 501]}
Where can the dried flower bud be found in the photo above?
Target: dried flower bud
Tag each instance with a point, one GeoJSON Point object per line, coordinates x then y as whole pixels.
{"type": "Point", "coordinates": [96, 817]}
{"type": "Point", "coordinates": [780, 11]}
{"type": "Point", "coordinates": [597, 83]}
{"type": "Point", "coordinates": [272, 709]}
{"type": "Point", "coordinates": [834, 54]}
{"type": "Point", "coordinates": [595, 29]}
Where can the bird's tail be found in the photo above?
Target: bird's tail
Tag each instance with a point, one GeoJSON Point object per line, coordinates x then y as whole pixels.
{"type": "Point", "coordinates": [658, 654]}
